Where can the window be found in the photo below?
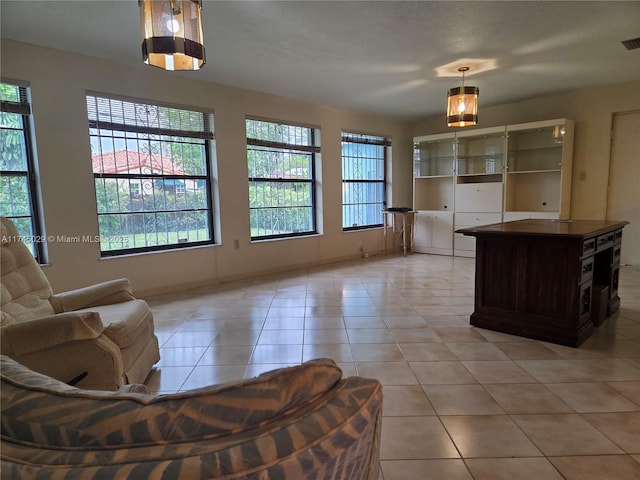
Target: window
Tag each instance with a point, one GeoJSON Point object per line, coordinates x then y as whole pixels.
{"type": "Point", "coordinates": [363, 180]}
{"type": "Point", "coordinates": [18, 189]}
{"type": "Point", "coordinates": [281, 160]}
{"type": "Point", "coordinates": [151, 167]}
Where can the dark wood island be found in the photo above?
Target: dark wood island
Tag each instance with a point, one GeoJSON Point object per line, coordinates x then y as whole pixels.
{"type": "Point", "coordinates": [536, 278]}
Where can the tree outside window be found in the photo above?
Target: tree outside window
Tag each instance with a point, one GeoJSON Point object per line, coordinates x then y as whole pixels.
{"type": "Point", "coordinates": [18, 181]}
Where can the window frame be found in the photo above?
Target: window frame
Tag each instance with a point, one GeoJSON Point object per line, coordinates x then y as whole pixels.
{"type": "Point", "coordinates": [162, 134]}
{"type": "Point", "coordinates": [365, 139]}
{"type": "Point", "coordinates": [313, 150]}
{"type": "Point", "coordinates": [35, 239]}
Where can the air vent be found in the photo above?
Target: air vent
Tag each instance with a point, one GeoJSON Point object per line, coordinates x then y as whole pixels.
{"type": "Point", "coordinates": [631, 44]}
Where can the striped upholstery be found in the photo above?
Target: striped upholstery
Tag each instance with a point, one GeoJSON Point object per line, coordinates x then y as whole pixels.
{"type": "Point", "coordinates": [302, 422]}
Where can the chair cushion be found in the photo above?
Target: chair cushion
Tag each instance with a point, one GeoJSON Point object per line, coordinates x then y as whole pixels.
{"type": "Point", "coordinates": [124, 322]}
{"type": "Point", "coordinates": [39, 410]}
{"type": "Point", "coordinates": [25, 291]}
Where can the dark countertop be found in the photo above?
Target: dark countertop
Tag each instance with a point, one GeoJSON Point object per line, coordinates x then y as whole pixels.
{"type": "Point", "coordinates": [574, 228]}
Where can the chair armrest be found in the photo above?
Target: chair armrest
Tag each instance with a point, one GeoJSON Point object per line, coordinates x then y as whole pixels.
{"type": "Point", "coordinates": [48, 332]}
{"type": "Point", "coordinates": [105, 293]}
{"type": "Point", "coordinates": [140, 388]}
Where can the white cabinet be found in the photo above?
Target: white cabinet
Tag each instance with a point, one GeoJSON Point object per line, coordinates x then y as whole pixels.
{"type": "Point", "coordinates": [477, 219]}
{"type": "Point", "coordinates": [538, 171]}
{"type": "Point", "coordinates": [433, 173]}
{"type": "Point", "coordinates": [475, 204]}
{"type": "Point", "coordinates": [433, 232]}
{"type": "Point", "coordinates": [481, 176]}
{"type": "Point", "coordinates": [478, 197]}
{"type": "Point", "coordinates": [480, 152]}
{"type": "Point", "coordinates": [433, 194]}
{"type": "Point", "coordinates": [465, 246]}
{"type": "Point", "coordinates": [479, 183]}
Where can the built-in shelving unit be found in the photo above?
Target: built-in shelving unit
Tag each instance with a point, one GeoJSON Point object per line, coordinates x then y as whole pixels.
{"type": "Point", "coordinates": [538, 173]}
{"type": "Point", "coordinates": [482, 176]}
{"type": "Point", "coordinates": [479, 180]}
{"type": "Point", "coordinates": [433, 194]}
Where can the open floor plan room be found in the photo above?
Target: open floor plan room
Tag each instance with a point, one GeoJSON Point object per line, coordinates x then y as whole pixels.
{"type": "Point", "coordinates": [459, 402]}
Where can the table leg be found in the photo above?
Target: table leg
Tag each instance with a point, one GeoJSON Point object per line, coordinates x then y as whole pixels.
{"type": "Point", "coordinates": [404, 234]}
{"type": "Point", "coordinates": [412, 231]}
{"type": "Point", "coordinates": [384, 236]}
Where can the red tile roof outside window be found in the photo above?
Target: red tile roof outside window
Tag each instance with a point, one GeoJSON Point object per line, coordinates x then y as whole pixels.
{"type": "Point", "coordinates": [126, 161]}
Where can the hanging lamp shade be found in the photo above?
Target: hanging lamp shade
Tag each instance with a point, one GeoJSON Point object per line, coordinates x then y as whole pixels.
{"type": "Point", "coordinates": [172, 34]}
{"type": "Point", "coordinates": [462, 104]}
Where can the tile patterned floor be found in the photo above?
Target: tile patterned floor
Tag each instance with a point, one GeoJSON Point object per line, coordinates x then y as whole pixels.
{"type": "Point", "coordinates": [460, 402]}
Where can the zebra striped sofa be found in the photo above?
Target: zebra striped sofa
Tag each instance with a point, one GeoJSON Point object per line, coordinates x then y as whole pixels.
{"type": "Point", "coordinates": [301, 422]}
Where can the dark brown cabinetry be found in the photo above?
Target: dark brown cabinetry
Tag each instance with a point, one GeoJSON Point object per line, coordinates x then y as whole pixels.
{"type": "Point", "coordinates": [536, 278]}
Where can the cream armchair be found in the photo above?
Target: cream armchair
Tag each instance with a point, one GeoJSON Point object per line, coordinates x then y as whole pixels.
{"type": "Point", "coordinates": [99, 337]}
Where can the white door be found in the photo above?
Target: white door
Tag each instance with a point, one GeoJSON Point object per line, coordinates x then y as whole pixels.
{"type": "Point", "coordinates": [623, 200]}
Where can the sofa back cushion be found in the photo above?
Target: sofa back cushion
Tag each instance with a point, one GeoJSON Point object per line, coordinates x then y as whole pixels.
{"type": "Point", "coordinates": [24, 290]}
{"type": "Point", "coordinates": [39, 410]}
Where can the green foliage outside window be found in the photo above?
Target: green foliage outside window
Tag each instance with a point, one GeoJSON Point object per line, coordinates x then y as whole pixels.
{"type": "Point", "coordinates": [151, 175]}
{"type": "Point", "coordinates": [280, 161]}
{"type": "Point", "coordinates": [17, 178]}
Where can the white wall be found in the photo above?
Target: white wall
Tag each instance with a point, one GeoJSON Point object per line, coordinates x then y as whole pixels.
{"type": "Point", "coordinates": [59, 82]}
{"type": "Point", "coordinates": [592, 110]}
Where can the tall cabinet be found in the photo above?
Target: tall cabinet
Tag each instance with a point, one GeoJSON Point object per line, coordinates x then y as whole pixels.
{"type": "Point", "coordinates": [482, 176]}
{"type": "Point", "coordinates": [538, 170]}
{"type": "Point", "coordinates": [433, 193]}
{"type": "Point", "coordinates": [479, 183]}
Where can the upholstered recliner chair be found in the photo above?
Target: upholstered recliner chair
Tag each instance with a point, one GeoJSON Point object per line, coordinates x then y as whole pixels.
{"type": "Point", "coordinates": [98, 337]}
{"type": "Point", "coordinates": [299, 423]}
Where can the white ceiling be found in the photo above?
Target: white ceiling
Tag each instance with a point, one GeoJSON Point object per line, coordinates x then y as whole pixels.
{"type": "Point", "coordinates": [376, 56]}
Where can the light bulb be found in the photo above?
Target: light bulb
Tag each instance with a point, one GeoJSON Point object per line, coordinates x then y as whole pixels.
{"type": "Point", "coordinates": [173, 26]}
{"type": "Point", "coordinates": [461, 106]}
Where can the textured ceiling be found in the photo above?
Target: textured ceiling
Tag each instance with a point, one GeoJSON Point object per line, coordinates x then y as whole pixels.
{"type": "Point", "coordinates": [386, 57]}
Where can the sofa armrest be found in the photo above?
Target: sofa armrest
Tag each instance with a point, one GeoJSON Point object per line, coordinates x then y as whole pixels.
{"type": "Point", "coordinates": [48, 332]}
{"type": "Point", "coordinates": [105, 293]}
{"type": "Point", "coordinates": [140, 388]}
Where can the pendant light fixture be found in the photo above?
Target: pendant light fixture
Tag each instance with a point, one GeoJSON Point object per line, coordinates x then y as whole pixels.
{"type": "Point", "coordinates": [462, 104]}
{"type": "Point", "coordinates": [172, 34]}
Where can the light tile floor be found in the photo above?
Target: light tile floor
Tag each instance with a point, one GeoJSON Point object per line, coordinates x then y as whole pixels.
{"type": "Point", "coordinates": [459, 402]}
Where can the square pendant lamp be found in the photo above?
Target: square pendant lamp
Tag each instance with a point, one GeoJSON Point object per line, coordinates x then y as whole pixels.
{"type": "Point", "coordinates": [172, 34]}
{"type": "Point", "coordinates": [462, 104]}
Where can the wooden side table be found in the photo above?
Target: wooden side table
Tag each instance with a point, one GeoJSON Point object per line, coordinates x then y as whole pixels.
{"type": "Point", "coordinates": [399, 217]}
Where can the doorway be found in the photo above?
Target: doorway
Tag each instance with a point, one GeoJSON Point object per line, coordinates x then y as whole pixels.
{"type": "Point", "coordinates": [623, 192]}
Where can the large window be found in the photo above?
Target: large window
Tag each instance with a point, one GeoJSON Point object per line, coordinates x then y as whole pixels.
{"type": "Point", "coordinates": [151, 166]}
{"type": "Point", "coordinates": [18, 190]}
{"type": "Point", "coordinates": [363, 180]}
{"type": "Point", "coordinates": [281, 160]}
